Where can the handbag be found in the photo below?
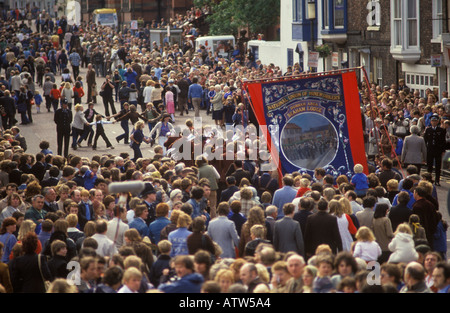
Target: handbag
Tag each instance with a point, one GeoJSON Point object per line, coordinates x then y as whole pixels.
{"type": "Point", "coordinates": [46, 282]}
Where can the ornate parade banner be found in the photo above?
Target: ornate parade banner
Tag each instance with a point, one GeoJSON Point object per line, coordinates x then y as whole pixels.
{"type": "Point", "coordinates": [313, 121]}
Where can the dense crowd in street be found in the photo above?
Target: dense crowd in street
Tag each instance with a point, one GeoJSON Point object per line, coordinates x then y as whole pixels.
{"type": "Point", "coordinates": [200, 225]}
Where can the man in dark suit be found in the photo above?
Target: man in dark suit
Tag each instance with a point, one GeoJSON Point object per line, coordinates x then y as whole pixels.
{"type": "Point", "coordinates": [38, 168]}
{"type": "Point", "coordinates": [271, 217]}
{"type": "Point", "coordinates": [240, 173]}
{"type": "Point", "coordinates": [287, 235]}
{"type": "Point", "coordinates": [249, 277]}
{"type": "Point", "coordinates": [49, 199]}
{"type": "Point", "coordinates": [17, 136]}
{"type": "Point", "coordinates": [63, 120]}
{"type": "Point", "coordinates": [148, 195]}
{"type": "Point", "coordinates": [85, 209]}
{"type": "Point", "coordinates": [426, 212]}
{"type": "Point", "coordinates": [90, 80]}
{"type": "Point", "coordinates": [305, 207]}
{"type": "Point", "coordinates": [8, 103]}
{"type": "Point", "coordinates": [15, 173]}
{"type": "Point", "coordinates": [435, 140]}
{"type": "Point", "coordinates": [231, 189]}
{"type": "Point", "coordinates": [400, 213]}
{"type": "Point", "coordinates": [183, 85]}
{"type": "Point", "coordinates": [79, 177]}
{"type": "Point", "coordinates": [322, 228]}
{"type": "Point", "coordinates": [264, 182]}
{"type": "Point", "coordinates": [53, 179]}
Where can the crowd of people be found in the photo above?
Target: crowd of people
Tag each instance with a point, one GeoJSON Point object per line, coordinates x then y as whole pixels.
{"type": "Point", "coordinates": [201, 226]}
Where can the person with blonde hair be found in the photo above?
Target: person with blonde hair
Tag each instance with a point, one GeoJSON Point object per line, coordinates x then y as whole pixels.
{"type": "Point", "coordinates": [162, 130]}
{"type": "Point", "coordinates": [178, 238]}
{"type": "Point", "coordinates": [61, 285]}
{"type": "Point", "coordinates": [63, 192]}
{"type": "Point", "coordinates": [304, 187]}
{"type": "Point", "coordinates": [26, 227]}
{"type": "Point", "coordinates": [72, 231]}
{"type": "Point", "coordinates": [280, 276]}
{"type": "Point", "coordinates": [257, 233]}
{"type": "Point", "coordinates": [392, 189]}
{"type": "Point", "coordinates": [345, 224]}
{"type": "Point", "coordinates": [360, 180]}
{"type": "Point", "coordinates": [225, 278]}
{"type": "Point", "coordinates": [79, 121]}
{"type": "Point", "coordinates": [366, 246]}
{"type": "Point", "coordinates": [347, 207]}
{"type": "Point", "coordinates": [308, 276]}
{"type": "Point", "coordinates": [67, 94]}
{"type": "Point", "coordinates": [131, 281]}
{"type": "Point", "coordinates": [137, 137]}
{"type": "Point", "coordinates": [402, 245]}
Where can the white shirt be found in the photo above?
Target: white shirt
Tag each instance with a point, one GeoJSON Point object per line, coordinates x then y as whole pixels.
{"type": "Point", "coordinates": [125, 289]}
{"type": "Point", "coordinates": [111, 232]}
{"type": "Point", "coordinates": [106, 246]}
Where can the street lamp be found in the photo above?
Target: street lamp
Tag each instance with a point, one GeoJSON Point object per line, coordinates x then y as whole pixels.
{"type": "Point", "coordinates": [311, 9]}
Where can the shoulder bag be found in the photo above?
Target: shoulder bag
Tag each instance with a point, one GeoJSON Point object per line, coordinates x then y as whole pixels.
{"type": "Point", "coordinates": [46, 282]}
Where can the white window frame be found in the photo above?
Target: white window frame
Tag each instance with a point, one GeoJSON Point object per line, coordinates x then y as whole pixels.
{"type": "Point", "coordinates": [401, 49]}
{"type": "Point", "coordinates": [437, 19]}
{"type": "Point", "coordinates": [297, 11]}
{"type": "Point", "coordinates": [378, 68]}
{"type": "Point", "coordinates": [396, 24]}
{"type": "Point", "coordinates": [409, 20]}
{"type": "Point", "coordinates": [421, 81]}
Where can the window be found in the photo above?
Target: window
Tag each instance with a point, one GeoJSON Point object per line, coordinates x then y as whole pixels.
{"type": "Point", "coordinates": [297, 10]}
{"type": "Point", "coordinates": [397, 12]}
{"type": "Point", "coordinates": [405, 35]}
{"type": "Point", "coordinates": [437, 18]}
{"type": "Point", "coordinates": [378, 67]}
{"type": "Point", "coordinates": [334, 18]}
{"type": "Point", "coordinates": [420, 81]}
{"type": "Point", "coordinates": [326, 14]}
{"type": "Point", "coordinates": [339, 11]}
{"type": "Point", "coordinates": [412, 23]}
{"type": "Point", "coordinates": [290, 57]}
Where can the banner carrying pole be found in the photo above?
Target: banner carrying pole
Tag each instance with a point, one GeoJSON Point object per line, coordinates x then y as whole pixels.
{"type": "Point", "coordinates": [379, 115]}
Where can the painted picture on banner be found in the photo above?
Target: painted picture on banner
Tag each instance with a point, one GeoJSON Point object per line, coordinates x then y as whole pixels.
{"type": "Point", "coordinates": [309, 141]}
{"type": "Point", "coordinates": [308, 122]}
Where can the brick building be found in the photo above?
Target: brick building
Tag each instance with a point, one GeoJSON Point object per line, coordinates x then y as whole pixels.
{"type": "Point", "coordinates": [392, 39]}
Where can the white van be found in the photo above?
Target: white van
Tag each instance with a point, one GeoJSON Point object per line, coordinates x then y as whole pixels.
{"type": "Point", "coordinates": [224, 45]}
{"type": "Point", "coordinates": [106, 17]}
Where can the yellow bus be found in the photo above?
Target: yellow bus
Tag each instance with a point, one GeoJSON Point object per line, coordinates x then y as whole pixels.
{"type": "Point", "coordinates": [105, 17]}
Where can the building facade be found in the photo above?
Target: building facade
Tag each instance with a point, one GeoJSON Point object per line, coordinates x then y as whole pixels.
{"type": "Point", "coordinates": [392, 39]}
{"type": "Point", "coordinates": [129, 10]}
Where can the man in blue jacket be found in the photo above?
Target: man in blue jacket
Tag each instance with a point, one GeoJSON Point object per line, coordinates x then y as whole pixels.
{"type": "Point", "coordinates": [195, 96]}
{"type": "Point", "coordinates": [189, 281]}
{"type": "Point", "coordinates": [141, 213]}
{"type": "Point", "coordinates": [75, 61]}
